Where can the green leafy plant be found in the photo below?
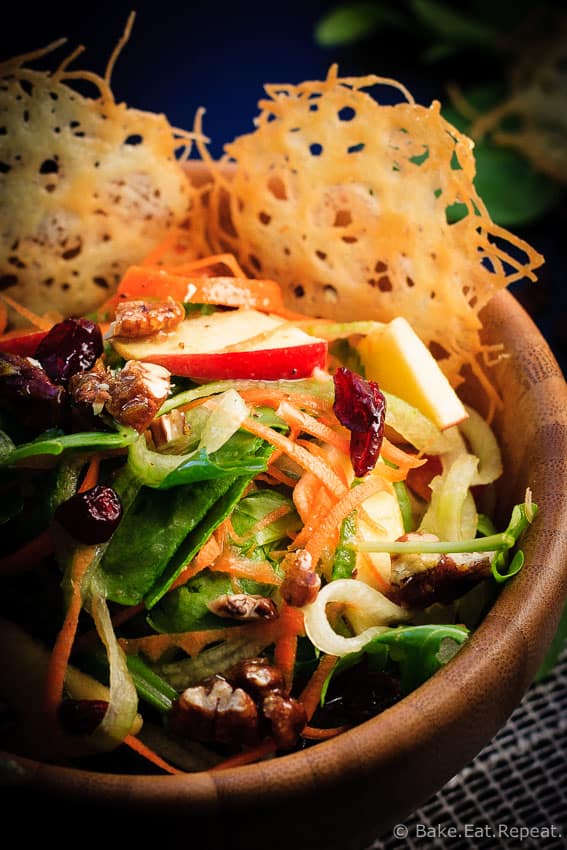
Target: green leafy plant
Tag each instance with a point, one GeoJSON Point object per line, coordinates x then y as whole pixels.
{"type": "Point", "coordinates": [501, 67]}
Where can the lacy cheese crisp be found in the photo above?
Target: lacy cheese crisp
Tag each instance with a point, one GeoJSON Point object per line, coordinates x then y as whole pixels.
{"type": "Point", "coordinates": [88, 186]}
{"type": "Point", "coordinates": [363, 210]}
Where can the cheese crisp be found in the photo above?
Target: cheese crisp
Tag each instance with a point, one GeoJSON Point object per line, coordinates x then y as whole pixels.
{"type": "Point", "coordinates": [362, 210]}
{"type": "Point", "coordinates": [88, 186]}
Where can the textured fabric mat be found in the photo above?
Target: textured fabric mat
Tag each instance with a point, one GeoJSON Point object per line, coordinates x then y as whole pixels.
{"type": "Point", "coordinates": [513, 795]}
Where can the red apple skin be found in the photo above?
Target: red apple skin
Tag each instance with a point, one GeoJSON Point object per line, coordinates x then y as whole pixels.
{"type": "Point", "coordinates": [25, 345]}
{"type": "Point", "coordinates": [268, 364]}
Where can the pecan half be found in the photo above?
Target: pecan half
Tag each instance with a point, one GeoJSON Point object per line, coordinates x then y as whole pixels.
{"type": "Point", "coordinates": [244, 606]}
{"type": "Point", "coordinates": [137, 393]}
{"type": "Point", "coordinates": [214, 711]}
{"type": "Point", "coordinates": [91, 390]}
{"type": "Point", "coordinates": [135, 319]}
{"type": "Point", "coordinates": [286, 716]}
{"type": "Point", "coordinates": [301, 583]}
{"type": "Point", "coordinates": [256, 676]}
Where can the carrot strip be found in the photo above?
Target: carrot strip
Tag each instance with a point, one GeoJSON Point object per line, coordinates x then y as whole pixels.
{"type": "Point", "coordinates": [91, 476]}
{"type": "Point", "coordinates": [302, 456]}
{"type": "Point", "coordinates": [309, 425]}
{"type": "Point", "coordinates": [328, 530]}
{"type": "Point", "coordinates": [247, 756]}
{"type": "Point", "coordinates": [32, 318]}
{"type": "Point", "coordinates": [227, 260]}
{"type": "Point", "coordinates": [311, 693]}
{"type": "Point", "coordinates": [28, 555]}
{"type": "Point", "coordinates": [240, 567]}
{"type": "Point", "coordinates": [313, 733]}
{"type": "Point", "coordinates": [61, 652]}
{"type": "Point", "coordinates": [147, 753]}
{"type": "Point", "coordinates": [394, 454]}
{"type": "Point", "coordinates": [275, 474]}
{"type": "Point", "coordinates": [285, 650]}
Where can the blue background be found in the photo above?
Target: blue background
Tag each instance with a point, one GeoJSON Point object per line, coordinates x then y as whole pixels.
{"type": "Point", "coordinates": [184, 56]}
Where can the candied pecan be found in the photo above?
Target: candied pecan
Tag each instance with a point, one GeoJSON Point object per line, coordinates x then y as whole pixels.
{"type": "Point", "coordinates": [286, 716]}
{"type": "Point", "coordinates": [301, 583]}
{"type": "Point", "coordinates": [91, 390]}
{"type": "Point", "coordinates": [244, 606]}
{"type": "Point", "coordinates": [26, 387]}
{"type": "Point", "coordinates": [214, 711]}
{"type": "Point", "coordinates": [137, 393]}
{"type": "Point", "coordinates": [135, 319]}
{"type": "Point", "coordinates": [256, 676]}
{"type": "Point", "coordinates": [419, 580]}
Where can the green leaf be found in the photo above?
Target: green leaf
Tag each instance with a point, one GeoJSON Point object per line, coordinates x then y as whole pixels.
{"type": "Point", "coordinates": [56, 444]}
{"type": "Point", "coordinates": [452, 25]}
{"type": "Point", "coordinates": [514, 193]}
{"type": "Point", "coordinates": [219, 511]}
{"type": "Point", "coordinates": [150, 534]}
{"type": "Point", "coordinates": [418, 652]}
{"type": "Point", "coordinates": [253, 508]}
{"type": "Point", "coordinates": [186, 608]}
{"type": "Point", "coordinates": [356, 21]}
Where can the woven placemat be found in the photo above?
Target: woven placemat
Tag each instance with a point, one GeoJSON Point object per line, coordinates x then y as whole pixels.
{"type": "Point", "coordinates": [513, 795]}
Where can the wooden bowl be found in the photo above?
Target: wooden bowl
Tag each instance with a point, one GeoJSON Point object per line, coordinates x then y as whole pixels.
{"type": "Point", "coordinates": [345, 792]}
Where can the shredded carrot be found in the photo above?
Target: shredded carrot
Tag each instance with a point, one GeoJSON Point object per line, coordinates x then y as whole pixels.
{"type": "Point", "coordinates": [63, 646]}
{"type": "Point", "coordinates": [311, 693]}
{"type": "Point", "coordinates": [37, 321]}
{"type": "Point", "coordinates": [147, 753]}
{"type": "Point", "coordinates": [240, 567]}
{"type": "Point", "coordinates": [227, 260]}
{"type": "Point", "coordinates": [275, 474]}
{"type": "Point", "coordinates": [404, 460]}
{"type": "Point", "coordinates": [309, 425]}
{"type": "Point", "coordinates": [301, 455]}
{"type": "Point", "coordinates": [91, 476]}
{"type": "Point", "coordinates": [285, 650]}
{"type": "Point", "coordinates": [312, 733]}
{"type": "Point", "coordinates": [204, 558]}
{"type": "Point", "coordinates": [28, 555]}
{"type": "Point", "coordinates": [272, 397]}
{"type": "Point", "coordinates": [319, 511]}
{"type": "Point", "coordinates": [304, 495]}
{"type": "Point", "coordinates": [328, 530]}
{"type": "Point", "coordinates": [248, 756]}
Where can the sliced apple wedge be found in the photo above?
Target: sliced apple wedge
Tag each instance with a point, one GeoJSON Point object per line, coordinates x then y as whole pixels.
{"type": "Point", "coordinates": [397, 359]}
{"type": "Point", "coordinates": [233, 344]}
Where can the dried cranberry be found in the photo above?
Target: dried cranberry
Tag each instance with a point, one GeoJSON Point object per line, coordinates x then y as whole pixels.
{"type": "Point", "coordinates": [26, 387]}
{"type": "Point", "coordinates": [82, 716]}
{"type": "Point", "coordinates": [91, 516]}
{"type": "Point", "coordinates": [361, 407]}
{"type": "Point", "coordinates": [71, 346]}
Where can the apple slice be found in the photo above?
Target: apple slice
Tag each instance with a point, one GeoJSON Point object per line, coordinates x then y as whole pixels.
{"type": "Point", "coordinates": [397, 359]}
{"type": "Point", "coordinates": [233, 344]}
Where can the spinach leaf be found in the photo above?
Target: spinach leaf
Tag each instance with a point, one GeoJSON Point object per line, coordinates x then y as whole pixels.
{"type": "Point", "coordinates": [186, 609]}
{"type": "Point", "coordinates": [201, 532]}
{"type": "Point", "coordinates": [418, 651]}
{"type": "Point", "coordinates": [253, 508]}
{"type": "Point", "coordinates": [55, 443]}
{"type": "Point", "coordinates": [150, 534]}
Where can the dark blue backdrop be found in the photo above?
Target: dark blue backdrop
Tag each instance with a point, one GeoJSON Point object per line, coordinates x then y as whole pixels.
{"type": "Point", "coordinates": [182, 56]}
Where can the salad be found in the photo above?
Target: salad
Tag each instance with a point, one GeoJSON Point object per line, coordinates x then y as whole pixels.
{"type": "Point", "coordinates": [229, 530]}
